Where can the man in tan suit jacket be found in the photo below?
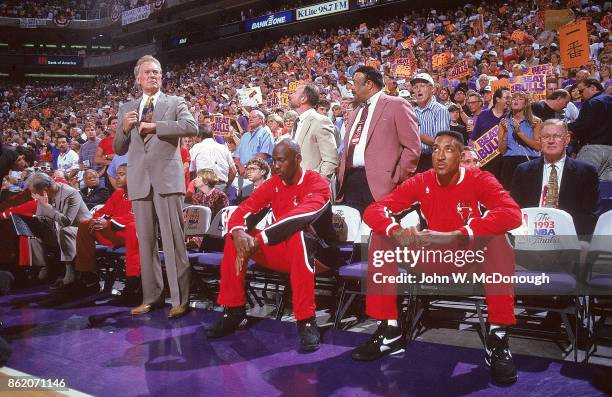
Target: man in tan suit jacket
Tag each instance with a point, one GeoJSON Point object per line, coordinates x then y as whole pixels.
{"type": "Point", "coordinates": [381, 145]}
{"type": "Point", "coordinates": [150, 130]}
{"type": "Point", "coordinates": [314, 132]}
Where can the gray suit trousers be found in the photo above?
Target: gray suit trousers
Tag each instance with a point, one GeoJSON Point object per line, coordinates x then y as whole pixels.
{"type": "Point", "coordinates": [166, 210]}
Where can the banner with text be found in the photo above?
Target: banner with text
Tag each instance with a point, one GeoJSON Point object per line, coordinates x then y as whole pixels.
{"type": "Point", "coordinates": [317, 10]}
{"type": "Point", "coordinates": [250, 96]}
{"type": "Point", "coordinates": [403, 68]}
{"type": "Point", "coordinates": [574, 44]}
{"type": "Point", "coordinates": [220, 125]}
{"type": "Point", "coordinates": [268, 21]}
{"type": "Point", "coordinates": [487, 146]}
{"type": "Point", "coordinates": [136, 14]}
{"type": "Point", "coordinates": [459, 70]}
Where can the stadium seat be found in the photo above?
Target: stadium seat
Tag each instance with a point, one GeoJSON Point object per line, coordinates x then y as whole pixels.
{"type": "Point", "coordinates": [599, 283]}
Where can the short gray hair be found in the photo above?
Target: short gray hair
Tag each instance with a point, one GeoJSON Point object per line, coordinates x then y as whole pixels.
{"type": "Point", "coordinates": [143, 59]}
{"type": "Point", "coordinates": [259, 114]}
{"type": "Point", "coordinates": [38, 181]}
{"type": "Point", "coordinates": [275, 117]}
{"type": "Point", "coordinates": [560, 124]}
{"type": "Point", "coordinates": [291, 115]}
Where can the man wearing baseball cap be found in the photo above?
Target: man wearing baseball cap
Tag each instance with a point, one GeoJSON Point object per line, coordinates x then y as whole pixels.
{"type": "Point", "coordinates": [432, 116]}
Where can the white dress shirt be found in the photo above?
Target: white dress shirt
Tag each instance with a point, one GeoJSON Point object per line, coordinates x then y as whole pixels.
{"type": "Point", "coordinates": [359, 153]}
{"type": "Point", "coordinates": [547, 168]}
{"type": "Point", "coordinates": [213, 155]}
{"type": "Point", "coordinates": [300, 123]}
{"type": "Point", "coordinates": [68, 161]}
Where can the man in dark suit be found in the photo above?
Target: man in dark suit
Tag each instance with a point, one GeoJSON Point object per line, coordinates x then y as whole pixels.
{"type": "Point", "coordinates": [92, 193]}
{"type": "Point", "coordinates": [150, 131]}
{"type": "Point", "coordinates": [381, 146]}
{"type": "Point", "coordinates": [556, 180]}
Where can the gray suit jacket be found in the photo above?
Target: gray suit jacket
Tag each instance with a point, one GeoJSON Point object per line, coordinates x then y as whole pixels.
{"type": "Point", "coordinates": [158, 162]}
{"type": "Point", "coordinates": [318, 144]}
{"type": "Point", "coordinates": [68, 208]}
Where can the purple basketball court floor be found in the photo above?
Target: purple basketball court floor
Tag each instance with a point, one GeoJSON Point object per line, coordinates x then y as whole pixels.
{"type": "Point", "coordinates": [103, 351]}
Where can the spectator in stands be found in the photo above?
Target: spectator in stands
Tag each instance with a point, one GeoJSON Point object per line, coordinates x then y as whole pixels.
{"type": "Point", "coordinates": [105, 152]}
{"type": "Point", "coordinates": [440, 192]}
{"type": "Point", "coordinates": [519, 137]}
{"type": "Point", "coordinates": [593, 127]}
{"type": "Point", "coordinates": [475, 105]}
{"type": "Point", "coordinates": [558, 181]}
{"type": "Point", "coordinates": [257, 172]}
{"type": "Point", "coordinates": [552, 107]}
{"type": "Point", "coordinates": [289, 120]}
{"type": "Point", "coordinates": [206, 193]}
{"type": "Point", "coordinates": [432, 116]}
{"type": "Point", "coordinates": [112, 225]}
{"type": "Point", "coordinates": [68, 159]}
{"type": "Point", "coordinates": [257, 142]}
{"type": "Point", "coordinates": [209, 154]}
{"type": "Point", "coordinates": [323, 107]}
{"type": "Point", "coordinates": [469, 158]}
{"type": "Point", "coordinates": [11, 159]}
{"type": "Point", "coordinates": [63, 206]}
{"type": "Point", "coordinates": [314, 132]}
{"type": "Point", "coordinates": [282, 246]}
{"type": "Point", "coordinates": [489, 118]}
{"type": "Point", "coordinates": [455, 119]}
{"type": "Point", "coordinates": [93, 194]}
{"type": "Point", "coordinates": [275, 124]}
{"type": "Point", "coordinates": [87, 154]}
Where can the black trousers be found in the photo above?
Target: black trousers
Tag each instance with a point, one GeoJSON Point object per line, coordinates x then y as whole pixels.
{"type": "Point", "coordinates": [356, 190]}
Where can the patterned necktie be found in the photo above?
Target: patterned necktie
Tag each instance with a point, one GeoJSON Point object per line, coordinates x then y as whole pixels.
{"type": "Point", "coordinates": [356, 136]}
{"type": "Point", "coordinates": [552, 192]}
{"type": "Point", "coordinates": [147, 116]}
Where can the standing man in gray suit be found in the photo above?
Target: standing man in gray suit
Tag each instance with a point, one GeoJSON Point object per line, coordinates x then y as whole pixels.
{"type": "Point", "coordinates": [314, 132]}
{"type": "Point", "coordinates": [150, 131]}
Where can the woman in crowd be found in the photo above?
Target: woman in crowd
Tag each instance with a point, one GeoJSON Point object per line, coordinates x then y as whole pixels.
{"type": "Point", "coordinates": [519, 137]}
{"type": "Point", "coordinates": [275, 124]}
{"type": "Point", "coordinates": [289, 121]}
{"type": "Point", "coordinates": [208, 195]}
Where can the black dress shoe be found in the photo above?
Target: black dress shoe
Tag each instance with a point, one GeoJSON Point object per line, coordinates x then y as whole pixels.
{"type": "Point", "coordinates": [310, 338]}
{"type": "Point", "coordinates": [386, 340]}
{"type": "Point", "coordinates": [228, 324]}
{"type": "Point", "coordinates": [59, 285]}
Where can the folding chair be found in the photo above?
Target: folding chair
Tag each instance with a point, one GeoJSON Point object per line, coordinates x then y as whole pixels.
{"type": "Point", "coordinates": [547, 242]}
{"type": "Point", "coordinates": [352, 274]}
{"type": "Point", "coordinates": [599, 283]}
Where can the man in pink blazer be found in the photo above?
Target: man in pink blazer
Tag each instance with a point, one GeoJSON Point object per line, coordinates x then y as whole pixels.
{"type": "Point", "coordinates": [381, 146]}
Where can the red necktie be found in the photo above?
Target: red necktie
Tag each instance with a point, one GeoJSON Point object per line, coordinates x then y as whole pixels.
{"type": "Point", "coordinates": [356, 137]}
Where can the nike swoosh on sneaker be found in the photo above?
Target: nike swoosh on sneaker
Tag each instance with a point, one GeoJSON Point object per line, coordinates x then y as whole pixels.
{"type": "Point", "coordinates": [388, 341]}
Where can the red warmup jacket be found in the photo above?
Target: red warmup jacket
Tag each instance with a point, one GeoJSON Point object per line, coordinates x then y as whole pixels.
{"type": "Point", "coordinates": [118, 208]}
{"type": "Point", "coordinates": [449, 208]}
{"type": "Point", "coordinates": [294, 207]}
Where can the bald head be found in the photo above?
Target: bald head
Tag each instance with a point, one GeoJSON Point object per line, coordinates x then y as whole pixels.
{"type": "Point", "coordinates": [287, 158]}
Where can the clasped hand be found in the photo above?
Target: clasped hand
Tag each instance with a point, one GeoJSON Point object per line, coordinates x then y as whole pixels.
{"type": "Point", "coordinates": [246, 246]}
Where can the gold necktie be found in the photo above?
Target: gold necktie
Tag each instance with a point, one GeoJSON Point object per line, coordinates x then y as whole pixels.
{"type": "Point", "coordinates": [552, 193]}
{"type": "Point", "coordinates": [147, 115]}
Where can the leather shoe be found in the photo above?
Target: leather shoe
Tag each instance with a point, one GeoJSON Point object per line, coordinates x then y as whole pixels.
{"type": "Point", "coordinates": [178, 311]}
{"type": "Point", "coordinates": [146, 308]}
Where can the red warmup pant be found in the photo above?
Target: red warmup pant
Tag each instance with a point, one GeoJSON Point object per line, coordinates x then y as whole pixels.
{"type": "Point", "coordinates": [381, 301]}
{"type": "Point", "coordinates": [289, 256]}
{"type": "Point", "coordinates": [86, 247]}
